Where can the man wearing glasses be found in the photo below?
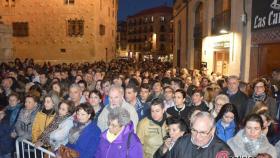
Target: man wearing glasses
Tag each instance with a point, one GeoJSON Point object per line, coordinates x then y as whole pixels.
{"type": "Point", "coordinates": [202, 142]}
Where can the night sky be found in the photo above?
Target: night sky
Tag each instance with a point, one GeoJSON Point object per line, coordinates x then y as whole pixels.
{"type": "Point", "coordinates": [130, 7]}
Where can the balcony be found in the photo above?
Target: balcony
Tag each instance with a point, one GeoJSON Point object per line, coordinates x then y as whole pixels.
{"type": "Point", "coordinates": [221, 22]}
{"type": "Point", "coordinates": [197, 31]}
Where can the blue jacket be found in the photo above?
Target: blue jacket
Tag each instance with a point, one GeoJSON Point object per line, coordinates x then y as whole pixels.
{"type": "Point", "coordinates": [88, 141]}
{"type": "Point", "coordinates": [6, 142]}
{"type": "Point", "coordinates": [12, 113]}
{"type": "Point", "coordinates": [225, 133]}
{"type": "Point", "coordinates": [120, 147]}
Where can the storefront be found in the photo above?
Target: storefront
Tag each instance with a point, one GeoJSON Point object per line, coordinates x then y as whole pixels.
{"type": "Point", "coordinates": [265, 54]}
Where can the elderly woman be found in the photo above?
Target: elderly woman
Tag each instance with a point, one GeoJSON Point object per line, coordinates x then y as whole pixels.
{"type": "Point", "coordinates": [250, 141]}
{"type": "Point", "coordinates": [152, 129]}
{"type": "Point", "coordinates": [119, 140]}
{"type": "Point", "coordinates": [177, 128]}
{"type": "Point", "coordinates": [57, 132]}
{"type": "Point", "coordinates": [44, 117]}
{"type": "Point", "coordinates": [84, 135]}
{"type": "Point", "coordinates": [220, 100]}
{"type": "Point", "coordinates": [261, 94]}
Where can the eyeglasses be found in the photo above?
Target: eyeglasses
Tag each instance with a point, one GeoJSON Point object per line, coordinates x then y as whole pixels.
{"type": "Point", "coordinates": [201, 133]}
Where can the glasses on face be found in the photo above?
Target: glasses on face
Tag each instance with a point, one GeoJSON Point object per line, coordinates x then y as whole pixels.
{"type": "Point", "coordinates": [201, 133]}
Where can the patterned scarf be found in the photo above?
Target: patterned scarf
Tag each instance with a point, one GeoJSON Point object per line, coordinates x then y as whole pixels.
{"type": "Point", "coordinates": [45, 136]}
{"type": "Point", "coordinates": [260, 97]}
{"type": "Point", "coordinates": [252, 146]}
{"type": "Point", "coordinates": [76, 131]}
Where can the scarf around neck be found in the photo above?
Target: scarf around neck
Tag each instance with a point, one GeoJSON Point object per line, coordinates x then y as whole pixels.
{"type": "Point", "coordinates": [160, 123]}
{"type": "Point", "coordinates": [252, 146]}
{"type": "Point", "coordinates": [76, 131]}
{"type": "Point", "coordinates": [260, 97]}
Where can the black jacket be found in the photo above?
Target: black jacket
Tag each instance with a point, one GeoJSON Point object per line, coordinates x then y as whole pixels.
{"type": "Point", "coordinates": [184, 148]}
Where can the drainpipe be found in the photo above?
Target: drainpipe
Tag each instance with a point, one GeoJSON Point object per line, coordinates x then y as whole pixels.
{"type": "Point", "coordinates": [244, 43]}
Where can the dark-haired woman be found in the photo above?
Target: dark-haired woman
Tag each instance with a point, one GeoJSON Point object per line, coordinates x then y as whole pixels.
{"type": "Point", "coordinates": [84, 135]}
{"type": "Point", "coordinates": [226, 122]}
{"type": "Point", "coordinates": [95, 100]}
{"type": "Point", "coordinates": [250, 141]}
{"type": "Point", "coordinates": [177, 128]}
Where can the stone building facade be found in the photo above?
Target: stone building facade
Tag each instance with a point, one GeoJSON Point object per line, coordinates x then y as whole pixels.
{"type": "Point", "coordinates": [62, 30]}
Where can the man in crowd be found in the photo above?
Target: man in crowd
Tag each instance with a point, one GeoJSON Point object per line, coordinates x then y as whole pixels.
{"type": "Point", "coordinates": [75, 94]}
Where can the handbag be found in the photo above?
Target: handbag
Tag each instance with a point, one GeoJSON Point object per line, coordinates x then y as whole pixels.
{"type": "Point", "coordinates": [66, 152]}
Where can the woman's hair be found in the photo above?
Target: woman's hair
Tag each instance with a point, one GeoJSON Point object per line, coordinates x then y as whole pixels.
{"type": "Point", "coordinates": [182, 92]}
{"type": "Point", "coordinates": [228, 107]}
{"type": "Point", "coordinates": [70, 104]}
{"type": "Point", "coordinates": [222, 97]}
{"type": "Point", "coordinates": [96, 92]}
{"type": "Point", "coordinates": [87, 108]}
{"type": "Point", "coordinates": [262, 109]}
{"type": "Point", "coordinates": [261, 80]}
{"type": "Point", "coordinates": [120, 114]}
{"type": "Point", "coordinates": [180, 122]}
{"type": "Point", "coordinates": [255, 118]}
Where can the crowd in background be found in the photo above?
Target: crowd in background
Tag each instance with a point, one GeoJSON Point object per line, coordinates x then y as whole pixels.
{"type": "Point", "coordinates": [130, 109]}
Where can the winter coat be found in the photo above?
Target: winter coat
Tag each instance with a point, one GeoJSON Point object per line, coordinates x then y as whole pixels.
{"type": "Point", "coordinates": [269, 101]}
{"type": "Point", "coordinates": [277, 146]}
{"type": "Point", "coordinates": [60, 135]}
{"type": "Point", "coordinates": [126, 143]}
{"type": "Point", "coordinates": [238, 146]}
{"type": "Point", "coordinates": [40, 123]}
{"type": "Point", "coordinates": [103, 117]}
{"type": "Point", "coordinates": [12, 113]}
{"type": "Point", "coordinates": [151, 136]}
{"type": "Point", "coordinates": [240, 100]}
{"type": "Point", "coordinates": [184, 148]}
{"type": "Point", "coordinates": [24, 124]}
{"type": "Point", "coordinates": [225, 133]}
{"type": "Point", "coordinates": [7, 144]}
{"type": "Point", "coordinates": [88, 141]}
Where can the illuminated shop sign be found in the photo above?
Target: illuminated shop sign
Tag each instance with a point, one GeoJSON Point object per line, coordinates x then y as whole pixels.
{"type": "Point", "coordinates": [265, 14]}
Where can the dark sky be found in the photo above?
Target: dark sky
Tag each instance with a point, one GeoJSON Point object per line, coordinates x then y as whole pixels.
{"type": "Point", "coordinates": [130, 7]}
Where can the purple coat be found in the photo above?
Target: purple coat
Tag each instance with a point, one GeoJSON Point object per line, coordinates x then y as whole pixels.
{"type": "Point", "coordinates": [118, 148]}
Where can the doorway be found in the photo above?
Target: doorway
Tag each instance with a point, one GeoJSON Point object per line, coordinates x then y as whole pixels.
{"type": "Point", "coordinates": [221, 62]}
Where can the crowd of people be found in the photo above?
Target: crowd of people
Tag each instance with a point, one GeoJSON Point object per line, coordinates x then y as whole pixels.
{"type": "Point", "coordinates": [129, 109]}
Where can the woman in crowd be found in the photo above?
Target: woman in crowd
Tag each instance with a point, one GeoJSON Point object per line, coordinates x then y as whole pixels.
{"type": "Point", "coordinates": [84, 135]}
{"type": "Point", "coordinates": [95, 100]}
{"type": "Point", "coordinates": [119, 140]}
{"type": "Point", "coordinates": [250, 141]}
{"type": "Point", "coordinates": [57, 132]}
{"type": "Point", "coordinates": [180, 110]}
{"type": "Point", "coordinates": [14, 107]}
{"type": "Point", "coordinates": [152, 129]}
{"type": "Point", "coordinates": [56, 88]}
{"type": "Point", "coordinates": [177, 128]}
{"type": "Point", "coordinates": [220, 100]}
{"type": "Point", "coordinates": [261, 94]}
{"type": "Point", "coordinates": [44, 117]}
{"type": "Point", "coordinates": [23, 126]}
{"type": "Point", "coordinates": [227, 122]}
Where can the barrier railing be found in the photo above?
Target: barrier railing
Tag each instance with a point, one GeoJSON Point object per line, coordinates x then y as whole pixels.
{"type": "Point", "coordinates": [26, 149]}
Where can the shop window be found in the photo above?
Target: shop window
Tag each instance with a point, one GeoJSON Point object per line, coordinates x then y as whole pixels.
{"type": "Point", "coordinates": [75, 28]}
{"type": "Point", "coordinates": [20, 29]}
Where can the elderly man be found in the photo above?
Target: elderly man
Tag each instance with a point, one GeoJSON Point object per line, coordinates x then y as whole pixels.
{"type": "Point", "coordinates": [75, 94]}
{"type": "Point", "coordinates": [202, 142]}
{"type": "Point", "coordinates": [116, 98]}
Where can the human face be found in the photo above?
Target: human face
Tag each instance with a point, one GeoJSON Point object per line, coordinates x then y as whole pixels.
{"type": "Point", "coordinates": [114, 127]}
{"type": "Point", "coordinates": [175, 132]}
{"type": "Point", "coordinates": [157, 112]}
{"type": "Point", "coordinates": [253, 130]}
{"type": "Point", "coordinates": [168, 94]}
{"type": "Point", "coordinates": [233, 85]}
{"type": "Point", "coordinates": [78, 78]}
{"type": "Point", "coordinates": [48, 103]}
{"type": "Point", "coordinates": [196, 98]}
{"type": "Point", "coordinates": [175, 85]}
{"type": "Point", "coordinates": [130, 95]}
{"type": "Point", "coordinates": [259, 88]}
{"type": "Point", "coordinates": [228, 117]}
{"type": "Point", "coordinates": [179, 99]}
{"type": "Point", "coordinates": [75, 94]}
{"type": "Point", "coordinates": [29, 103]}
{"type": "Point", "coordinates": [13, 101]}
{"type": "Point", "coordinates": [157, 87]}
{"type": "Point", "coordinates": [94, 99]}
{"type": "Point", "coordinates": [106, 88]}
{"type": "Point", "coordinates": [56, 88]}
{"type": "Point", "coordinates": [144, 94]}
{"type": "Point", "coordinates": [43, 79]}
{"type": "Point", "coordinates": [115, 98]}
{"type": "Point", "coordinates": [202, 131]}
{"type": "Point", "coordinates": [82, 86]}
{"type": "Point", "coordinates": [83, 116]}
{"type": "Point", "coordinates": [63, 109]}
{"type": "Point", "coordinates": [218, 105]}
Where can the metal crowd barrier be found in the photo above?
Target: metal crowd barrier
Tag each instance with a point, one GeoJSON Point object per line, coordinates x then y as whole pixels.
{"type": "Point", "coordinates": [26, 149]}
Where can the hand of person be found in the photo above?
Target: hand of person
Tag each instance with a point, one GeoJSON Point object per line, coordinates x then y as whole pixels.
{"type": "Point", "coordinates": [166, 145]}
{"type": "Point", "coordinates": [38, 144]}
{"type": "Point", "coordinates": [13, 134]}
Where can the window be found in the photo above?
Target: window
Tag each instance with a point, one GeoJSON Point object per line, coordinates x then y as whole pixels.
{"type": "Point", "coordinates": [20, 29]}
{"type": "Point", "coordinates": [75, 27]}
{"type": "Point", "coordinates": [69, 2]}
{"type": "Point", "coordinates": [9, 3]}
{"type": "Point", "coordinates": [162, 19]}
{"type": "Point", "coordinates": [152, 19]}
{"type": "Point", "coordinates": [162, 28]}
{"type": "Point", "coordinates": [102, 29]}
